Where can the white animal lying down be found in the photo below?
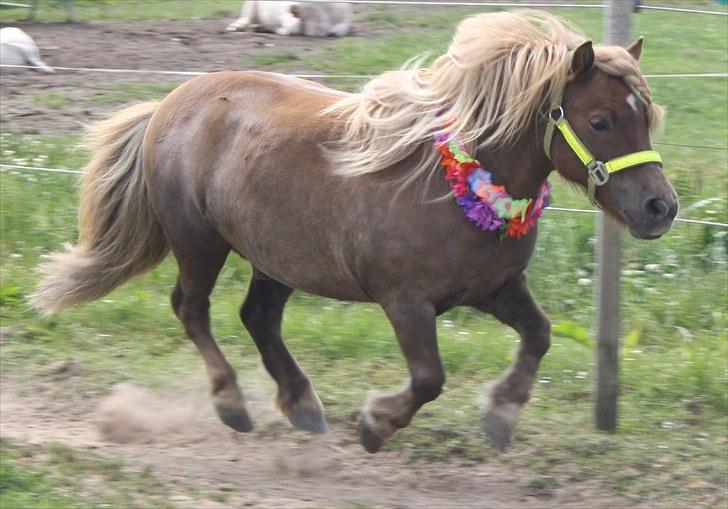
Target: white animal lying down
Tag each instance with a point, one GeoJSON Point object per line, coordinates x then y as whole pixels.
{"type": "Point", "coordinates": [296, 18]}
{"type": "Point", "coordinates": [18, 48]}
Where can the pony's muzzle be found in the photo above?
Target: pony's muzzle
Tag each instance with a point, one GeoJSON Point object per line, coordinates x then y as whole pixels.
{"type": "Point", "coordinates": [658, 213]}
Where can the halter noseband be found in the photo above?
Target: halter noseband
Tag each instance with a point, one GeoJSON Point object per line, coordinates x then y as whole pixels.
{"type": "Point", "coordinates": [598, 170]}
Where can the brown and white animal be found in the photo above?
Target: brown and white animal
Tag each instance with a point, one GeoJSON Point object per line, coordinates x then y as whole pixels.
{"type": "Point", "coordinates": [18, 48]}
{"type": "Point", "coordinates": [318, 19]}
{"type": "Point", "coordinates": [344, 196]}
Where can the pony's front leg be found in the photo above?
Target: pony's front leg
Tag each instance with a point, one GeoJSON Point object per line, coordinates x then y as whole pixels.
{"type": "Point", "coordinates": [414, 325]}
{"type": "Point", "coordinates": [514, 306]}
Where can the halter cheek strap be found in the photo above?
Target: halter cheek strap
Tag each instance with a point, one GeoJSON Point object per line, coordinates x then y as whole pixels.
{"type": "Point", "coordinates": [598, 171]}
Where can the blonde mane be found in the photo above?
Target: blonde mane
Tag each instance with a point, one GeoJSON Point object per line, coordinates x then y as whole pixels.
{"type": "Point", "coordinates": [501, 71]}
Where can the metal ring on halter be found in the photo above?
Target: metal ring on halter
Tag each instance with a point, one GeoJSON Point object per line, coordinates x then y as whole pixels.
{"type": "Point", "coordinates": [560, 111]}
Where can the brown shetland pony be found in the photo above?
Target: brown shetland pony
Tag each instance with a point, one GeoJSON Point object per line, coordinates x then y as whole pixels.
{"type": "Point", "coordinates": [341, 195]}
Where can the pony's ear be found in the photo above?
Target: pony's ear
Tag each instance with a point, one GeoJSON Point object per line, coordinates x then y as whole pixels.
{"type": "Point", "coordinates": [583, 59]}
{"type": "Point", "coordinates": [635, 49]}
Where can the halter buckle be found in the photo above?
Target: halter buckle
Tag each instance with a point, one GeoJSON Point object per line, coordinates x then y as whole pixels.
{"type": "Point", "coordinates": [598, 173]}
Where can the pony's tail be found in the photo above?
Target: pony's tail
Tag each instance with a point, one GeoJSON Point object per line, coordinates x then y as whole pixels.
{"type": "Point", "coordinates": [119, 233]}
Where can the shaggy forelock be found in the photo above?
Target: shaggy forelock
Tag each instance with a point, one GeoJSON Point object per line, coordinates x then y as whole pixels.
{"type": "Point", "coordinates": [617, 61]}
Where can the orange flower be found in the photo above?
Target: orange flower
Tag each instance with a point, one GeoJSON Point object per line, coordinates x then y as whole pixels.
{"type": "Point", "coordinates": [518, 229]}
{"type": "Point", "coordinates": [445, 152]}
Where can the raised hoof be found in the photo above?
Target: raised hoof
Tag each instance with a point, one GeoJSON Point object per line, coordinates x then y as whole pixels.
{"type": "Point", "coordinates": [308, 420]}
{"type": "Point", "coordinates": [370, 440]}
{"type": "Point", "coordinates": [238, 420]}
{"type": "Point", "coordinates": [498, 430]}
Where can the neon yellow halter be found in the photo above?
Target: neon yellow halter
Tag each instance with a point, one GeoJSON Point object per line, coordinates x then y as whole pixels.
{"type": "Point", "coordinates": [598, 171]}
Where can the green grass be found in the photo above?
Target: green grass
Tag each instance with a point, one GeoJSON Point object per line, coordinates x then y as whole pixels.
{"type": "Point", "coordinates": [131, 92]}
{"type": "Point", "coordinates": [414, 34]}
{"type": "Point", "coordinates": [29, 487]}
{"type": "Point", "coordinates": [671, 443]}
{"type": "Point", "coordinates": [52, 100]}
{"type": "Point", "coordinates": [53, 476]}
{"type": "Point", "coordinates": [277, 58]}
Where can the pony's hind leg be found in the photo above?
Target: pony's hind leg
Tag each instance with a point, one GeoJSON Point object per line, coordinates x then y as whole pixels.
{"type": "Point", "coordinates": [190, 300]}
{"type": "Point", "coordinates": [414, 325]}
{"type": "Point", "coordinates": [261, 314]}
{"type": "Point", "coordinates": [514, 306]}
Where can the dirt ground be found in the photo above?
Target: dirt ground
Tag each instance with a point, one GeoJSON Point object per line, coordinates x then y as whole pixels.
{"type": "Point", "coordinates": [176, 433]}
{"type": "Point", "coordinates": [273, 467]}
{"type": "Point", "coordinates": [201, 45]}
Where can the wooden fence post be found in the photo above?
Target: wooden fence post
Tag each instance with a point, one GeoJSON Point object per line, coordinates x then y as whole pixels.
{"type": "Point", "coordinates": [618, 31]}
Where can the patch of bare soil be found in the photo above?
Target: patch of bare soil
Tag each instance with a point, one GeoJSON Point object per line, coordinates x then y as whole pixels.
{"type": "Point", "coordinates": [188, 449]}
{"type": "Point", "coordinates": [200, 45]}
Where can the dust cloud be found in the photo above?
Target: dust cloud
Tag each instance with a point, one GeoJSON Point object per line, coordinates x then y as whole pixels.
{"type": "Point", "coordinates": [134, 414]}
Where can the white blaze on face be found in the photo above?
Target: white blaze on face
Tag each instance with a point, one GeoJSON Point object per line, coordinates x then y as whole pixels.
{"type": "Point", "coordinates": [632, 101]}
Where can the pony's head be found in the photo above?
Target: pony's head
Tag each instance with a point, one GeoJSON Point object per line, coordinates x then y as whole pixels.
{"type": "Point", "coordinates": [599, 138]}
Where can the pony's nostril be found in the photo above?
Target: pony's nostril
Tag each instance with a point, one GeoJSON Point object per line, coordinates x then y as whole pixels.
{"type": "Point", "coordinates": [657, 208]}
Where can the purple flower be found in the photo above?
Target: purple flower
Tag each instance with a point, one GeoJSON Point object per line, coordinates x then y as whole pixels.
{"type": "Point", "coordinates": [482, 214]}
{"type": "Point", "coordinates": [442, 139]}
{"type": "Point", "coordinates": [467, 201]}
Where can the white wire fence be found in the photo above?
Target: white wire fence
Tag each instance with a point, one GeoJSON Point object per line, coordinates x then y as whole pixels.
{"type": "Point", "coordinates": [305, 76]}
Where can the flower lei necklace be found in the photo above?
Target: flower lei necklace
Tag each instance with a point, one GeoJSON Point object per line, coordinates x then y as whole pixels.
{"type": "Point", "coordinates": [488, 205]}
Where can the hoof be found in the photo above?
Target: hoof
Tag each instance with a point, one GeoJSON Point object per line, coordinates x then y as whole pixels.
{"type": "Point", "coordinates": [498, 431]}
{"type": "Point", "coordinates": [499, 424]}
{"type": "Point", "coordinates": [238, 420]}
{"type": "Point", "coordinates": [308, 420]}
{"type": "Point", "coordinates": [370, 440]}
{"type": "Point", "coordinates": [306, 412]}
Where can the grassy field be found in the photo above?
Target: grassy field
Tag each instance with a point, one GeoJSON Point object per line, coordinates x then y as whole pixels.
{"type": "Point", "coordinates": [671, 445]}
{"type": "Point", "coordinates": [59, 477]}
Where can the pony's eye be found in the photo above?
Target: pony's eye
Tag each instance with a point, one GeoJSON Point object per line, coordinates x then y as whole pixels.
{"type": "Point", "coordinates": [599, 124]}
